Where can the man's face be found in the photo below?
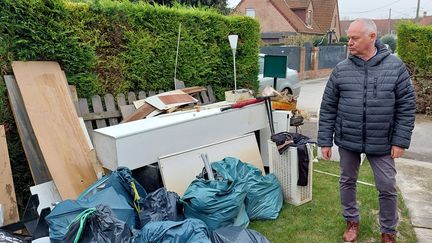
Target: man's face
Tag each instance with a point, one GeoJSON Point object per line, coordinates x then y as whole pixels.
{"type": "Point", "coordinates": [359, 40]}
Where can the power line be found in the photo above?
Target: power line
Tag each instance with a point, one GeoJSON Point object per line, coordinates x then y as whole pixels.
{"type": "Point", "coordinates": [379, 8]}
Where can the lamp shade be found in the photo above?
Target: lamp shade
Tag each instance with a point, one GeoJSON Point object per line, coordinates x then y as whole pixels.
{"type": "Point", "coordinates": [233, 41]}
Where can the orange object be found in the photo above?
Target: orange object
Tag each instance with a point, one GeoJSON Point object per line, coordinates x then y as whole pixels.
{"type": "Point", "coordinates": [276, 105]}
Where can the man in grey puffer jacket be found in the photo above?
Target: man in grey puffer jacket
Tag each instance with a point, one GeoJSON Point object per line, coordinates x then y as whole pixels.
{"type": "Point", "coordinates": [368, 107]}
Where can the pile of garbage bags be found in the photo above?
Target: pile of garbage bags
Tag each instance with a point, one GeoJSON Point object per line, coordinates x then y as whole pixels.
{"type": "Point", "coordinates": [242, 194]}
{"type": "Point", "coordinates": [117, 208]}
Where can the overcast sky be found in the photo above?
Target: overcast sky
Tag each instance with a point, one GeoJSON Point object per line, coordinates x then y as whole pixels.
{"type": "Point", "coordinates": [352, 9]}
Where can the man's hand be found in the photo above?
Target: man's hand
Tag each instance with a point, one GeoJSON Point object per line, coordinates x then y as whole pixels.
{"type": "Point", "coordinates": [397, 152]}
{"type": "Point", "coordinates": [326, 152]}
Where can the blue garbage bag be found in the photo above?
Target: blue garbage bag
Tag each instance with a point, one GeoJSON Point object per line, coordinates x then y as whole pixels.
{"type": "Point", "coordinates": [65, 212]}
{"type": "Point", "coordinates": [161, 205]}
{"type": "Point", "coordinates": [124, 184]}
{"type": "Point", "coordinates": [219, 203]}
{"type": "Point", "coordinates": [235, 234]}
{"type": "Point", "coordinates": [187, 231]}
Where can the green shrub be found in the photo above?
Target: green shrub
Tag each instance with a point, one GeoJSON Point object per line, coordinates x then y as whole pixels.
{"type": "Point", "coordinates": [389, 40]}
{"type": "Point", "coordinates": [415, 49]}
{"type": "Point", "coordinates": [343, 39]}
{"type": "Point", "coordinates": [118, 46]}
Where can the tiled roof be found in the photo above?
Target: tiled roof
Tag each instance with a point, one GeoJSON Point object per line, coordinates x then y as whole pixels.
{"type": "Point", "coordinates": [323, 13]}
{"type": "Point", "coordinates": [298, 3]}
{"type": "Point", "coordinates": [382, 25]}
{"type": "Point", "coordinates": [295, 21]}
{"type": "Point", "coordinates": [426, 20]}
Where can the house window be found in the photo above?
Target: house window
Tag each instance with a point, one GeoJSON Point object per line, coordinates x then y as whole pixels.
{"type": "Point", "coordinates": [309, 18]}
{"type": "Point", "coordinates": [250, 12]}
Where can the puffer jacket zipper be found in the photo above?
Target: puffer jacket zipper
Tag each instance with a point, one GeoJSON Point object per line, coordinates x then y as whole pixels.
{"type": "Point", "coordinates": [364, 108]}
{"type": "Point", "coordinates": [375, 87]}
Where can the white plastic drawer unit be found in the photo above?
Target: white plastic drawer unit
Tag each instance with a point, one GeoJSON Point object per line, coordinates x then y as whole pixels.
{"type": "Point", "coordinates": [138, 143]}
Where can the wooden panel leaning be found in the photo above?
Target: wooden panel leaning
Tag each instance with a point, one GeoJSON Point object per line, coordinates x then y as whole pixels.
{"type": "Point", "coordinates": [33, 153]}
{"type": "Point", "coordinates": [56, 127]}
{"type": "Point", "coordinates": [7, 188]}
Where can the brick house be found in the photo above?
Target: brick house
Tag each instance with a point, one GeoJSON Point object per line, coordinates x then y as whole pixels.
{"type": "Point", "coordinates": [281, 18]}
{"type": "Point", "coordinates": [386, 26]}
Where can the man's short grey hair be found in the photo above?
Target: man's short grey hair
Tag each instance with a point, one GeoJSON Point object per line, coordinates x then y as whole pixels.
{"type": "Point", "coordinates": [369, 25]}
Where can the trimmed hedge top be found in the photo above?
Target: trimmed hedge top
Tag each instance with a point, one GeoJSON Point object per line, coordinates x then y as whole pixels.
{"type": "Point", "coordinates": [114, 47]}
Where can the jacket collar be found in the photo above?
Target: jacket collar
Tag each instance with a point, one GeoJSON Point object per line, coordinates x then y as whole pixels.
{"type": "Point", "coordinates": [382, 52]}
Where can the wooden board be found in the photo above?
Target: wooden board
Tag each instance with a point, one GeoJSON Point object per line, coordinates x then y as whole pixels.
{"type": "Point", "coordinates": [56, 127]}
{"type": "Point", "coordinates": [140, 113]}
{"type": "Point", "coordinates": [7, 189]}
{"type": "Point", "coordinates": [36, 161]}
{"type": "Point", "coordinates": [127, 110]}
{"type": "Point", "coordinates": [167, 100]}
{"type": "Point", "coordinates": [180, 169]}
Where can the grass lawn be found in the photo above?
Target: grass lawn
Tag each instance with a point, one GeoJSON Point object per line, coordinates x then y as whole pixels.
{"type": "Point", "coordinates": [321, 220]}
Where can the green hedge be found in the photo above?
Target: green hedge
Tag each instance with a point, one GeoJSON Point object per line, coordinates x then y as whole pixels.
{"type": "Point", "coordinates": [414, 46]}
{"type": "Point", "coordinates": [116, 47]}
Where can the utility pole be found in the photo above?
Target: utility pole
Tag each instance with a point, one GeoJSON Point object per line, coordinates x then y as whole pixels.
{"type": "Point", "coordinates": [389, 22]}
{"type": "Point", "coordinates": [418, 10]}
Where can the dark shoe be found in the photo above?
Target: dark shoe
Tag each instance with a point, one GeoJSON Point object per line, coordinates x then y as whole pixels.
{"type": "Point", "coordinates": [388, 238]}
{"type": "Point", "coordinates": [351, 231]}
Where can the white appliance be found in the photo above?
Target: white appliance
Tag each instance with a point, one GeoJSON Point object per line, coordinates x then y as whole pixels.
{"type": "Point", "coordinates": [139, 143]}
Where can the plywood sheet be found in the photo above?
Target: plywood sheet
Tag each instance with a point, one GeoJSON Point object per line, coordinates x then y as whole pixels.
{"type": "Point", "coordinates": [56, 127]}
{"type": "Point", "coordinates": [7, 189]}
{"type": "Point", "coordinates": [180, 169]}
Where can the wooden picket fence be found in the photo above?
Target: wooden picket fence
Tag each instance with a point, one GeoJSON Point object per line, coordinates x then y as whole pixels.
{"type": "Point", "coordinates": [105, 111]}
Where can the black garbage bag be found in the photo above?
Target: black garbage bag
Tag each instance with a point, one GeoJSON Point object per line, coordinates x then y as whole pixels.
{"type": "Point", "coordinates": [187, 231]}
{"type": "Point", "coordinates": [161, 205]}
{"type": "Point", "coordinates": [234, 234]}
{"type": "Point", "coordinates": [10, 237]}
{"type": "Point", "coordinates": [98, 225]}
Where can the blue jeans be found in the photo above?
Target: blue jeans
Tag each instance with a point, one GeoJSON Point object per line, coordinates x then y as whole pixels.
{"type": "Point", "coordinates": [384, 171]}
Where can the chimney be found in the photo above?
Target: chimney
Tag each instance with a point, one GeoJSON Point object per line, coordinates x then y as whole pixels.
{"type": "Point", "coordinates": [424, 14]}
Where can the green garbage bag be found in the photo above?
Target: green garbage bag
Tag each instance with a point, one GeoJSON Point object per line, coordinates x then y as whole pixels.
{"type": "Point", "coordinates": [264, 198]}
{"type": "Point", "coordinates": [241, 194]}
{"type": "Point", "coordinates": [217, 203]}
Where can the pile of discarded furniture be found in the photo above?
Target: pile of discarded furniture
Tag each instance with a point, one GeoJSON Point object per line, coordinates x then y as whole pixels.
{"type": "Point", "coordinates": [167, 167]}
